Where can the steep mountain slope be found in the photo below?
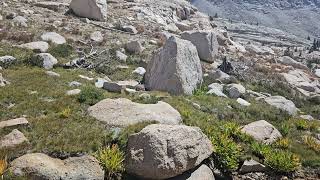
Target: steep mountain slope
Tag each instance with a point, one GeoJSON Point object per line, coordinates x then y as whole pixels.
{"type": "Point", "coordinates": [298, 17]}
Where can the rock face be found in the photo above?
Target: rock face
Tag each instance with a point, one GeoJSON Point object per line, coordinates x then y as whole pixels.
{"type": "Point", "coordinates": [154, 153]}
{"type": "Point", "coordinates": [123, 112]}
{"type": "Point", "coordinates": [202, 173]}
{"type": "Point", "coordinates": [283, 104]}
{"type": "Point", "coordinates": [262, 131]}
{"type": "Point", "coordinates": [206, 43]}
{"type": "Point", "coordinates": [175, 68]}
{"type": "Point", "coordinates": [13, 139]}
{"type": "Point", "coordinates": [53, 37]}
{"type": "Point", "coordinates": [41, 166]}
{"type": "Point", "coordinates": [92, 9]}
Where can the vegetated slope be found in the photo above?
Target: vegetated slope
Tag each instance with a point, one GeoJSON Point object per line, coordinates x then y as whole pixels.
{"type": "Point", "coordinates": [298, 17]}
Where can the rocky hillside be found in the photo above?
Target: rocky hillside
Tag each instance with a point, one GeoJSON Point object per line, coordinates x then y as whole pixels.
{"type": "Point", "coordinates": [297, 17]}
{"type": "Point", "coordinates": [144, 89]}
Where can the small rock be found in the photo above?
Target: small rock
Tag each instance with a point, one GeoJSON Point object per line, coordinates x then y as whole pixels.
{"type": "Point", "coordinates": [123, 112]}
{"type": "Point", "coordinates": [96, 36]}
{"type": "Point", "coordinates": [235, 90]}
{"type": "Point", "coordinates": [20, 21]}
{"type": "Point", "coordinates": [201, 173]}
{"type": "Point", "coordinates": [3, 82]}
{"type": "Point", "coordinates": [283, 104]}
{"type": "Point", "coordinates": [99, 83]}
{"type": "Point", "coordinates": [53, 74]}
{"type": "Point", "coordinates": [243, 102]}
{"type": "Point", "coordinates": [120, 85]}
{"type": "Point", "coordinates": [252, 166]}
{"type": "Point", "coordinates": [75, 84]}
{"type": "Point", "coordinates": [6, 61]}
{"type": "Point", "coordinates": [13, 122]}
{"type": "Point", "coordinates": [134, 47]}
{"type": "Point", "coordinates": [53, 37]}
{"type": "Point", "coordinates": [307, 117]}
{"type": "Point", "coordinates": [86, 78]}
{"type": "Point", "coordinates": [15, 138]}
{"type": "Point", "coordinates": [140, 71]}
{"type": "Point", "coordinates": [262, 131]}
{"type": "Point", "coordinates": [41, 166]}
{"type": "Point", "coordinates": [39, 46]}
{"type": "Point", "coordinates": [317, 73]}
{"type": "Point", "coordinates": [73, 92]}
{"type": "Point", "coordinates": [121, 56]}
{"type": "Point", "coordinates": [130, 29]}
{"type": "Point", "coordinates": [216, 89]}
{"type": "Point", "coordinates": [45, 60]}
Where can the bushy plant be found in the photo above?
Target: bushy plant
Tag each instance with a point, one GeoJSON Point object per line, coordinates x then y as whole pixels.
{"type": "Point", "coordinates": [285, 129]}
{"type": "Point", "coordinates": [111, 159]}
{"type": "Point", "coordinates": [3, 166]}
{"type": "Point", "coordinates": [283, 143]}
{"type": "Point", "coordinates": [302, 124]}
{"type": "Point", "coordinates": [312, 143]}
{"type": "Point", "coordinates": [202, 90]}
{"type": "Point", "coordinates": [65, 113]}
{"type": "Point", "coordinates": [90, 95]}
{"type": "Point", "coordinates": [282, 161]}
{"type": "Point", "coordinates": [227, 153]}
{"type": "Point", "coordinates": [61, 50]}
{"type": "Point", "coordinates": [260, 150]}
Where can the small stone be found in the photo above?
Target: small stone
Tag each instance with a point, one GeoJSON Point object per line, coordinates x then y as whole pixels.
{"type": "Point", "coordinates": [53, 37]}
{"type": "Point", "coordinates": [39, 46]}
{"type": "Point", "coordinates": [140, 71]}
{"type": "Point", "coordinates": [96, 36]}
{"type": "Point", "coordinates": [20, 21]}
{"type": "Point", "coordinates": [13, 122]}
{"type": "Point", "coordinates": [6, 61]}
{"type": "Point", "coordinates": [15, 138]}
{"type": "Point", "coordinates": [75, 84]}
{"type": "Point", "coordinates": [252, 166]}
{"type": "Point", "coordinates": [307, 117]}
{"type": "Point", "coordinates": [134, 47]}
{"type": "Point", "coordinates": [73, 92]}
{"type": "Point", "coordinates": [130, 29]}
{"type": "Point", "coordinates": [45, 60]}
{"type": "Point", "coordinates": [121, 56]}
{"type": "Point", "coordinates": [99, 83]}
{"type": "Point", "coordinates": [53, 74]}
{"type": "Point", "coordinates": [235, 90]}
{"type": "Point", "coordinates": [243, 102]}
{"type": "Point", "coordinates": [86, 78]}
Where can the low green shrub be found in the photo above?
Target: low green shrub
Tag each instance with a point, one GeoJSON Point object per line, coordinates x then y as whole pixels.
{"type": "Point", "coordinates": [312, 143]}
{"type": "Point", "coordinates": [111, 159]}
{"type": "Point", "coordinates": [302, 124]}
{"type": "Point", "coordinates": [283, 143]}
{"type": "Point", "coordinates": [282, 161]}
{"type": "Point", "coordinates": [227, 153]}
{"type": "Point", "coordinates": [61, 50]}
{"type": "Point", "coordinates": [285, 129]}
{"type": "Point", "coordinates": [90, 95]}
{"type": "Point", "coordinates": [260, 150]}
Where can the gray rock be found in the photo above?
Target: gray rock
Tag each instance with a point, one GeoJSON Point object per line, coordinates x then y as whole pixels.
{"type": "Point", "coordinates": [175, 68]}
{"type": "Point", "coordinates": [130, 29]}
{"type": "Point", "coordinates": [13, 122]}
{"type": "Point", "coordinates": [53, 74]}
{"type": "Point", "coordinates": [92, 9]}
{"type": "Point", "coordinates": [100, 82]}
{"type": "Point", "coordinates": [96, 37]}
{"type": "Point", "coordinates": [262, 131]}
{"type": "Point", "coordinates": [252, 166]}
{"type": "Point", "coordinates": [291, 62]}
{"type": "Point", "coordinates": [206, 43]}
{"type": "Point", "coordinates": [235, 90]}
{"type": "Point", "coordinates": [121, 56]}
{"type": "Point", "coordinates": [317, 73]}
{"type": "Point", "coordinates": [201, 173]}
{"type": "Point", "coordinates": [307, 117]}
{"type": "Point", "coordinates": [120, 85]}
{"type": "Point", "coordinates": [13, 139]}
{"type": "Point", "coordinates": [140, 71]}
{"type": "Point", "coordinates": [216, 89]}
{"type": "Point", "coordinates": [6, 61]}
{"type": "Point", "coordinates": [283, 104]}
{"type": "Point", "coordinates": [134, 47]}
{"type": "Point", "coordinates": [75, 84]}
{"type": "Point", "coordinates": [39, 46]}
{"type": "Point", "coordinates": [163, 155]}
{"type": "Point", "coordinates": [243, 102]}
{"type": "Point", "coordinates": [41, 166]}
{"type": "Point", "coordinates": [20, 21]}
{"type": "Point", "coordinates": [220, 76]}
{"type": "Point", "coordinates": [73, 92]}
{"type": "Point", "coordinates": [45, 60]}
{"type": "Point", "coordinates": [3, 82]}
{"type": "Point", "coordinates": [53, 37]}
{"type": "Point", "coordinates": [123, 112]}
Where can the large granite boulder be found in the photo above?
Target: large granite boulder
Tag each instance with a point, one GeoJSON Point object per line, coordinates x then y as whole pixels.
{"type": "Point", "coordinates": [123, 112]}
{"type": "Point", "coordinates": [174, 68]}
{"type": "Point", "coordinates": [283, 104]}
{"type": "Point", "coordinates": [206, 43]}
{"type": "Point", "coordinates": [165, 151]}
{"type": "Point", "coordinates": [41, 166]}
{"type": "Point", "coordinates": [92, 9]}
{"type": "Point", "coordinates": [262, 131]}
